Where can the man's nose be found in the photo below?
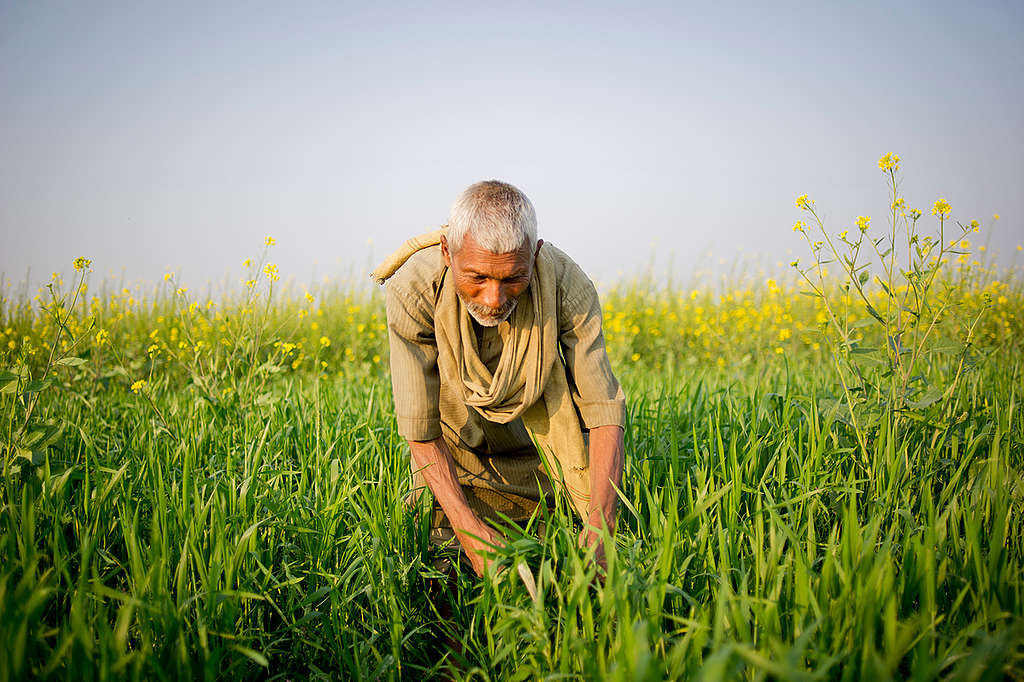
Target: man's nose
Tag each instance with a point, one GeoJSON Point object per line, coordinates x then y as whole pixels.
{"type": "Point", "coordinates": [492, 295]}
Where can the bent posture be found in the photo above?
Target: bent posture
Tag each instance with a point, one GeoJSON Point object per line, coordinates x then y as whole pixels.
{"type": "Point", "coordinates": [496, 342]}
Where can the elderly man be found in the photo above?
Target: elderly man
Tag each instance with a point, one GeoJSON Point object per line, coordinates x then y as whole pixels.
{"type": "Point", "coordinates": [496, 343]}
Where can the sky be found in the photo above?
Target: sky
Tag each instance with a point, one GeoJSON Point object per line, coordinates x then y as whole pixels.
{"type": "Point", "coordinates": [664, 137]}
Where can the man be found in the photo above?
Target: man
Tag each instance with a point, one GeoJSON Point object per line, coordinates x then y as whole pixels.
{"type": "Point", "coordinates": [496, 341]}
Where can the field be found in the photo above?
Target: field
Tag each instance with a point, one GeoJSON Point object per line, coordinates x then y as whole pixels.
{"type": "Point", "coordinates": [818, 486]}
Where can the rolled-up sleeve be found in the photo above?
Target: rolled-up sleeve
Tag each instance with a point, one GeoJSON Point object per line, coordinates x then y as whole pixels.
{"type": "Point", "coordinates": [414, 376]}
{"type": "Point", "coordinates": [596, 392]}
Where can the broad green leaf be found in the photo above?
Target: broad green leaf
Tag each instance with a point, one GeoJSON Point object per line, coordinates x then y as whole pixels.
{"type": "Point", "coordinates": [71, 362]}
{"type": "Point", "coordinates": [8, 382]}
{"type": "Point", "coordinates": [930, 396]}
{"type": "Point", "coordinates": [40, 384]}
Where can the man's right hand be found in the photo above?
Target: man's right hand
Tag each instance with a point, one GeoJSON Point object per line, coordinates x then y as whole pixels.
{"type": "Point", "coordinates": [434, 462]}
{"type": "Point", "coordinates": [478, 549]}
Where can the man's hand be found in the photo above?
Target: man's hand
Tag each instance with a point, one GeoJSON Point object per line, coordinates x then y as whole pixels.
{"type": "Point", "coordinates": [590, 537]}
{"type": "Point", "coordinates": [477, 550]}
{"type": "Point", "coordinates": [434, 462]}
{"type": "Point", "coordinates": [607, 457]}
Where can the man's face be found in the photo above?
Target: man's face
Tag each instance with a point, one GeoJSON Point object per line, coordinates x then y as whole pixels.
{"type": "Point", "coordinates": [489, 283]}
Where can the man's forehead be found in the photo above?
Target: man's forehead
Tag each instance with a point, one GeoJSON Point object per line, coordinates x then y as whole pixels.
{"type": "Point", "coordinates": [475, 259]}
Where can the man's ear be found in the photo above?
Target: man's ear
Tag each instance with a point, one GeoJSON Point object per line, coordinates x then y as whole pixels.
{"type": "Point", "coordinates": [444, 251]}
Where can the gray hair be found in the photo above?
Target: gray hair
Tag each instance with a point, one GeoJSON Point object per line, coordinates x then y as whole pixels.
{"type": "Point", "coordinates": [498, 215]}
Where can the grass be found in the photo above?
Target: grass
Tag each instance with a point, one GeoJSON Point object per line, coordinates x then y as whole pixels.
{"type": "Point", "coordinates": [238, 514]}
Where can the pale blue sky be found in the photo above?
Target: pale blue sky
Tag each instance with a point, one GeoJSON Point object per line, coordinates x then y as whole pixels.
{"type": "Point", "coordinates": [153, 137]}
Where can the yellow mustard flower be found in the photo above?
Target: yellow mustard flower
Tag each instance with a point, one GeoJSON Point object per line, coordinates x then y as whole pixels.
{"type": "Point", "coordinates": [995, 216]}
{"type": "Point", "coordinates": [324, 342]}
{"type": "Point", "coordinates": [803, 202]}
{"type": "Point", "coordinates": [799, 226]}
{"type": "Point", "coordinates": [138, 385]}
{"type": "Point", "coordinates": [941, 208]}
{"type": "Point", "coordinates": [889, 162]}
{"type": "Point", "coordinates": [102, 337]}
{"type": "Point", "coordinates": [863, 222]}
{"type": "Point", "coordinates": [270, 270]}
{"type": "Point", "coordinates": [269, 241]}
{"type": "Point", "coordinates": [81, 263]}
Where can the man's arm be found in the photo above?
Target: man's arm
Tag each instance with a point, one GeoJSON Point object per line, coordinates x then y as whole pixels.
{"type": "Point", "coordinates": [435, 464]}
{"type": "Point", "coordinates": [606, 463]}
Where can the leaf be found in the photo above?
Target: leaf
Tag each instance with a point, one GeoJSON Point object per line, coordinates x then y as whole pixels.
{"type": "Point", "coordinates": [40, 384]}
{"type": "Point", "coordinates": [863, 277]}
{"type": "Point", "coordinates": [8, 382]}
{"type": "Point", "coordinates": [930, 396]}
{"type": "Point", "coordinates": [874, 313]}
{"type": "Point", "coordinates": [253, 655]}
{"type": "Point", "coordinates": [71, 362]}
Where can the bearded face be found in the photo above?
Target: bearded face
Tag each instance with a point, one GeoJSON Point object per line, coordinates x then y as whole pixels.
{"type": "Point", "coordinates": [489, 284]}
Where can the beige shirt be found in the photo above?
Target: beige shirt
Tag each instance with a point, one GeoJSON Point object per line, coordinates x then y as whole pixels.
{"type": "Point", "coordinates": [497, 464]}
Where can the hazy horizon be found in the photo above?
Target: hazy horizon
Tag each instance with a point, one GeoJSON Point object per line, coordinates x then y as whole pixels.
{"type": "Point", "coordinates": [176, 137]}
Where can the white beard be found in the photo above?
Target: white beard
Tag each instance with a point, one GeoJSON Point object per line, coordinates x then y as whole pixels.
{"type": "Point", "coordinates": [488, 317]}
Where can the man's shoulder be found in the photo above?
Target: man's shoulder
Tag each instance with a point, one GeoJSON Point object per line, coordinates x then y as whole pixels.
{"type": "Point", "coordinates": [421, 274]}
{"type": "Point", "coordinates": [567, 272]}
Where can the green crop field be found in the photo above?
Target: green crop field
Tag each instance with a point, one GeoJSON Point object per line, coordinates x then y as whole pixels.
{"type": "Point", "coordinates": [819, 486]}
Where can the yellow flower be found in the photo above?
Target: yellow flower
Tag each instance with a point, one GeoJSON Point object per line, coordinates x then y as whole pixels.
{"type": "Point", "coordinates": [862, 223]}
{"type": "Point", "coordinates": [269, 241]}
{"type": "Point", "coordinates": [168, 276]}
{"type": "Point", "coordinates": [941, 208]}
{"type": "Point", "coordinates": [309, 297]}
{"type": "Point", "coordinates": [899, 203]}
{"type": "Point", "coordinates": [324, 342]}
{"type": "Point", "coordinates": [102, 337]}
{"type": "Point", "coordinates": [889, 162]}
{"type": "Point", "coordinates": [81, 263]}
{"type": "Point", "coordinates": [995, 216]}
{"type": "Point", "coordinates": [975, 225]}
{"type": "Point", "coordinates": [138, 385]}
{"type": "Point", "coordinates": [153, 350]}
{"type": "Point", "coordinates": [181, 291]}
{"type": "Point", "coordinates": [915, 214]}
{"type": "Point", "coordinates": [799, 226]}
{"type": "Point", "coordinates": [270, 270]}
{"type": "Point", "coordinates": [842, 235]}
{"type": "Point", "coordinates": [247, 262]}
{"type": "Point", "coordinates": [803, 202]}
{"type": "Point", "coordinates": [376, 359]}
{"type": "Point", "coordinates": [250, 283]}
